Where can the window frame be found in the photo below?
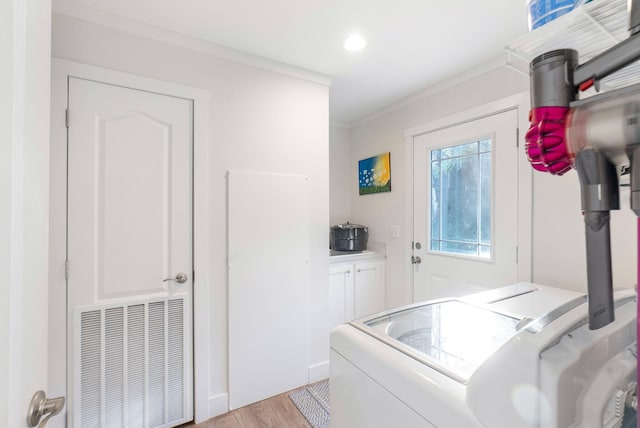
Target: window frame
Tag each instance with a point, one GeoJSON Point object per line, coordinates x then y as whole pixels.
{"type": "Point", "coordinates": [427, 247]}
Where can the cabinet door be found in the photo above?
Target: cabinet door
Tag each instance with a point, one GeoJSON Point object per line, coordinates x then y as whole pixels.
{"type": "Point", "coordinates": [369, 288]}
{"type": "Point", "coordinates": [340, 294]}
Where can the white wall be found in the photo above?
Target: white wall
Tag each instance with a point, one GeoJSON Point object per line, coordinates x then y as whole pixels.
{"type": "Point", "coordinates": [558, 253]}
{"type": "Point", "coordinates": [558, 235]}
{"type": "Point", "coordinates": [260, 121]}
{"type": "Point", "coordinates": [24, 191]}
{"type": "Point", "coordinates": [340, 165]}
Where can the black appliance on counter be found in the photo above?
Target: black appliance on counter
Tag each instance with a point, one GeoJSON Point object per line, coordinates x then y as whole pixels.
{"type": "Point", "coordinates": [348, 237]}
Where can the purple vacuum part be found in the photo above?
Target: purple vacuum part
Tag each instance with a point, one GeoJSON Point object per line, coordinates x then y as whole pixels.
{"type": "Point", "coordinates": [546, 140]}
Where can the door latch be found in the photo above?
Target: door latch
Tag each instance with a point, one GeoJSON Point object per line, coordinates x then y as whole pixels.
{"type": "Point", "coordinates": [416, 260]}
{"type": "Point", "coordinates": [180, 278]}
{"type": "Point", "coordinates": [40, 406]}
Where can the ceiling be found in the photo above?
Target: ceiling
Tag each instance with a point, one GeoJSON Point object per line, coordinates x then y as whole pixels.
{"type": "Point", "coordinates": [411, 44]}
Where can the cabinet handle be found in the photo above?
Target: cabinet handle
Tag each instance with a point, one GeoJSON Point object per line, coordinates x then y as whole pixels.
{"type": "Point", "coordinates": [348, 271]}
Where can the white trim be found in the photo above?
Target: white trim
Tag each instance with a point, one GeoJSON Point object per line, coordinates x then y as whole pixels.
{"type": "Point", "coordinates": [57, 352]}
{"type": "Point", "coordinates": [521, 103]}
{"type": "Point", "coordinates": [318, 372]}
{"type": "Point", "coordinates": [408, 219]}
{"type": "Point", "coordinates": [508, 103]}
{"type": "Point", "coordinates": [61, 71]}
{"type": "Point", "coordinates": [106, 19]}
{"type": "Point", "coordinates": [438, 87]}
{"type": "Point", "coordinates": [339, 124]}
{"type": "Point", "coordinates": [128, 80]}
{"type": "Point", "coordinates": [200, 260]}
{"type": "Point", "coordinates": [218, 405]}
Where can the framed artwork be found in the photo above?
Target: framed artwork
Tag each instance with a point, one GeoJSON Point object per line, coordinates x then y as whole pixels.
{"type": "Point", "coordinates": [374, 174]}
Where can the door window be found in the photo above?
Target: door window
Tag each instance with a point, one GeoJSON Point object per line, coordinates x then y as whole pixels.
{"type": "Point", "coordinates": [460, 215]}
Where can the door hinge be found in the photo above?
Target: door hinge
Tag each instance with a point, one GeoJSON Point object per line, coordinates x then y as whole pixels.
{"type": "Point", "coordinates": [66, 118]}
{"type": "Point", "coordinates": [193, 276]}
{"type": "Point", "coordinates": [66, 270]}
{"type": "Point", "coordinates": [517, 251]}
{"type": "Point", "coordinates": [517, 137]}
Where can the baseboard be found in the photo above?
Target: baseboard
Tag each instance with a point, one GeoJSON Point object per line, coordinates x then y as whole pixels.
{"type": "Point", "coordinates": [318, 372]}
{"type": "Point", "coordinates": [218, 405]}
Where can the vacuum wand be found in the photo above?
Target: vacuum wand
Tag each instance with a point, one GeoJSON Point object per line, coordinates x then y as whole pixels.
{"type": "Point", "coordinates": [599, 192]}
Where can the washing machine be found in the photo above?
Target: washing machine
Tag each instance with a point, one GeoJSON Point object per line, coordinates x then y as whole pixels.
{"type": "Point", "coordinates": [518, 356]}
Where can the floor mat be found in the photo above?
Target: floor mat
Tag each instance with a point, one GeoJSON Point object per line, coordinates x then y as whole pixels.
{"type": "Point", "coordinates": [313, 403]}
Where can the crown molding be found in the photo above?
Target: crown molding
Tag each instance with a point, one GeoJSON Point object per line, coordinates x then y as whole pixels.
{"type": "Point", "coordinates": [502, 60]}
{"type": "Point", "coordinates": [79, 11]}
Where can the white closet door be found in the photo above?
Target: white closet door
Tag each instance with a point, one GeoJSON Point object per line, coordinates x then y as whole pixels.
{"type": "Point", "coordinates": [130, 257]}
{"type": "Point", "coordinates": [268, 257]}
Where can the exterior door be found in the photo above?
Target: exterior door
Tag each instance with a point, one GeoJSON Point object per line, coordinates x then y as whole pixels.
{"type": "Point", "coordinates": [465, 203]}
{"type": "Point", "coordinates": [129, 250]}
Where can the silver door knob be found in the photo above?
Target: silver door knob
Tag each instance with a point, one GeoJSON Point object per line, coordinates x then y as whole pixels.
{"type": "Point", "coordinates": [180, 278]}
{"type": "Point", "coordinates": [40, 406]}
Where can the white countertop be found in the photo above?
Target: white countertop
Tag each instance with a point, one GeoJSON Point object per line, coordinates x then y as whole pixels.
{"type": "Point", "coordinates": [352, 256]}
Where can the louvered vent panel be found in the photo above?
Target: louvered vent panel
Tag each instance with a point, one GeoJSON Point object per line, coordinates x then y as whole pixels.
{"type": "Point", "coordinates": [132, 369]}
{"type": "Point", "coordinates": [156, 363]}
{"type": "Point", "coordinates": [114, 367]}
{"type": "Point", "coordinates": [176, 360]}
{"type": "Point", "coordinates": [90, 367]}
{"type": "Point", "coordinates": [135, 365]}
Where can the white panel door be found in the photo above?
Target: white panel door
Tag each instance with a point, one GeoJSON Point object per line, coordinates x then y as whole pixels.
{"type": "Point", "coordinates": [368, 288]}
{"type": "Point", "coordinates": [268, 257]}
{"type": "Point", "coordinates": [341, 294]}
{"type": "Point", "coordinates": [465, 200]}
{"type": "Point", "coordinates": [130, 257]}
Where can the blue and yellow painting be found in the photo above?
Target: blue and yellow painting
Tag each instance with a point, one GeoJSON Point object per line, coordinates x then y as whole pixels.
{"type": "Point", "coordinates": [374, 174]}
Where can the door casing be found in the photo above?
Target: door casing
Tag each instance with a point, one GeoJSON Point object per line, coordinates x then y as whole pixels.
{"type": "Point", "coordinates": [521, 103]}
{"type": "Point", "coordinates": [61, 70]}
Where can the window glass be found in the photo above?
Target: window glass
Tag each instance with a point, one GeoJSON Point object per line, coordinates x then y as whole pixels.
{"type": "Point", "coordinates": [461, 199]}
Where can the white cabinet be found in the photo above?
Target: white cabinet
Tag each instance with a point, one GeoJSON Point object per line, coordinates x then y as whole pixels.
{"type": "Point", "coordinates": [356, 289]}
{"type": "Point", "coordinates": [368, 286]}
{"type": "Point", "coordinates": [341, 293]}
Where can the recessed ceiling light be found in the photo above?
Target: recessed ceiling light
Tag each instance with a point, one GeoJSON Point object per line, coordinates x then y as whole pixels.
{"type": "Point", "coordinates": [354, 43]}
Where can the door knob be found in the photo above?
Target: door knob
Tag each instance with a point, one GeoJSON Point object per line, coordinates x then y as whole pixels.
{"type": "Point", "coordinates": [40, 405]}
{"type": "Point", "coordinates": [180, 278]}
{"type": "Point", "coordinates": [416, 260]}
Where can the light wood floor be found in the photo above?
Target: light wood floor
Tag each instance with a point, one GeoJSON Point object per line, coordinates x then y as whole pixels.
{"type": "Point", "coordinates": [275, 412]}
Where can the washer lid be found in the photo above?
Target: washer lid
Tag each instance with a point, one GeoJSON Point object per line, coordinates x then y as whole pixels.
{"type": "Point", "coordinates": [451, 336]}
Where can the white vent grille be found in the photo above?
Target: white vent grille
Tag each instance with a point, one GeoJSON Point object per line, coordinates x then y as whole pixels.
{"type": "Point", "coordinates": [114, 366]}
{"type": "Point", "coordinates": [90, 366]}
{"type": "Point", "coordinates": [132, 370]}
{"type": "Point", "coordinates": [136, 403]}
{"type": "Point", "coordinates": [175, 362]}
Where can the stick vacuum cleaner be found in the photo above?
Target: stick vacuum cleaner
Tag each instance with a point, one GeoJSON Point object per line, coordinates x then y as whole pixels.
{"type": "Point", "coordinates": [599, 136]}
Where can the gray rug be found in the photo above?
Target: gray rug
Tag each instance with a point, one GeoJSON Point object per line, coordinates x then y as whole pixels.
{"type": "Point", "coordinates": [313, 403]}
